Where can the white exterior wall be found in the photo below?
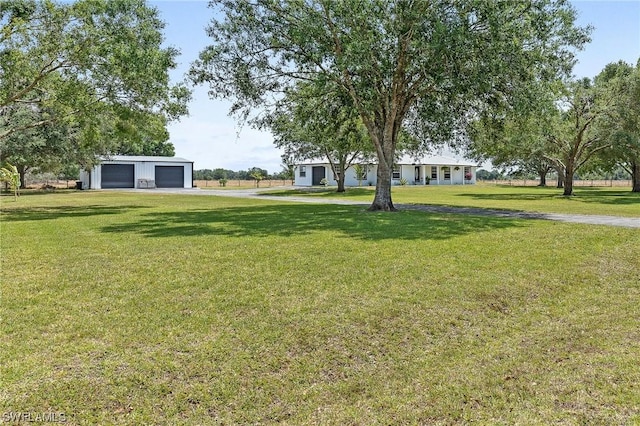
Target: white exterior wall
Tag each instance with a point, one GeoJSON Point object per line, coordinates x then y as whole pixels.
{"type": "Point", "coordinates": [407, 171]}
{"type": "Point", "coordinates": [456, 176]}
{"type": "Point", "coordinates": [303, 180]}
{"type": "Point", "coordinates": [350, 178]}
{"type": "Point", "coordinates": [84, 178]}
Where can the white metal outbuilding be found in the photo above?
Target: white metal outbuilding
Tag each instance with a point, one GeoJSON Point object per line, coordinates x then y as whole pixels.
{"type": "Point", "coordinates": [123, 171]}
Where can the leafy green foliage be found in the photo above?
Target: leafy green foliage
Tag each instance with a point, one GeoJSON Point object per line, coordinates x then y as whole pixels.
{"type": "Point", "coordinates": [622, 124]}
{"type": "Point", "coordinates": [576, 136]}
{"type": "Point", "coordinates": [314, 122]}
{"type": "Point", "coordinates": [95, 68]}
{"type": "Point", "coordinates": [11, 176]}
{"type": "Point", "coordinates": [425, 65]}
{"type": "Point", "coordinates": [257, 175]}
{"type": "Point", "coordinates": [361, 172]}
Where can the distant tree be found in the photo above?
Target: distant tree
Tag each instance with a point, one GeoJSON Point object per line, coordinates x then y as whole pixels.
{"type": "Point", "coordinates": [576, 133]}
{"type": "Point", "coordinates": [242, 175]}
{"type": "Point", "coordinates": [622, 125]}
{"type": "Point", "coordinates": [203, 174]}
{"type": "Point", "coordinates": [517, 139]}
{"type": "Point", "coordinates": [288, 171]}
{"type": "Point", "coordinates": [482, 174]}
{"type": "Point", "coordinates": [361, 172]}
{"type": "Point", "coordinates": [317, 122]}
{"type": "Point", "coordinates": [219, 173]}
{"type": "Point", "coordinates": [285, 173]}
{"type": "Point", "coordinates": [69, 172]}
{"type": "Point", "coordinates": [257, 175]}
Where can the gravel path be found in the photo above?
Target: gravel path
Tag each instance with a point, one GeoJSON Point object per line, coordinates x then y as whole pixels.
{"type": "Point", "coordinates": [262, 194]}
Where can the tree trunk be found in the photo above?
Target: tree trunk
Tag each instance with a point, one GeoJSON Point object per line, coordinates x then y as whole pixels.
{"type": "Point", "coordinates": [382, 200]}
{"type": "Point", "coordinates": [560, 172]}
{"type": "Point", "coordinates": [543, 178]}
{"type": "Point", "coordinates": [22, 170]}
{"type": "Point", "coordinates": [341, 177]}
{"type": "Point", "coordinates": [568, 181]}
{"type": "Point", "coordinates": [635, 176]}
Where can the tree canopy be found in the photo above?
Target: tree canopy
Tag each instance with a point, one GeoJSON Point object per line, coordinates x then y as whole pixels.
{"type": "Point", "coordinates": [425, 66]}
{"type": "Point", "coordinates": [623, 122]}
{"type": "Point", "coordinates": [315, 122]}
{"type": "Point", "coordinates": [88, 65]}
{"type": "Point", "coordinates": [570, 125]}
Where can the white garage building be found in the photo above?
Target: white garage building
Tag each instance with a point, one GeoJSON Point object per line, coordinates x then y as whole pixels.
{"type": "Point", "coordinates": [122, 171]}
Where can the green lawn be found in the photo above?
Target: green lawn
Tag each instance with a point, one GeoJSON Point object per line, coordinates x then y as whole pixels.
{"type": "Point", "coordinates": [129, 308]}
{"type": "Point", "coordinates": [599, 201]}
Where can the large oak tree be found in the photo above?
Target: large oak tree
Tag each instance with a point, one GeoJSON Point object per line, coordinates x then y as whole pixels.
{"type": "Point", "coordinates": [622, 125]}
{"type": "Point", "coordinates": [73, 59]}
{"type": "Point", "coordinates": [423, 65]}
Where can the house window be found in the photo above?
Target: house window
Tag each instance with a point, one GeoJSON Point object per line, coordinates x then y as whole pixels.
{"type": "Point", "coordinates": [336, 175]}
{"type": "Point", "coordinates": [303, 171]}
{"type": "Point", "coordinates": [434, 172]}
{"type": "Point", "coordinates": [467, 173]}
{"type": "Point", "coordinates": [447, 173]}
{"type": "Point", "coordinates": [395, 174]}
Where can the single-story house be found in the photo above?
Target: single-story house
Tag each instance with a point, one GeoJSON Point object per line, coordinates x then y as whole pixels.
{"type": "Point", "coordinates": [122, 171]}
{"type": "Point", "coordinates": [429, 170]}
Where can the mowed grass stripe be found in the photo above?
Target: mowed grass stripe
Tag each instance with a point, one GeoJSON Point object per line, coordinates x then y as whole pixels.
{"type": "Point", "coordinates": [128, 309]}
{"type": "Point", "coordinates": [612, 201]}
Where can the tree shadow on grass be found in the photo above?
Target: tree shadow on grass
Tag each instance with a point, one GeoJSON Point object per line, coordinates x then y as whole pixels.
{"type": "Point", "coordinates": [286, 220]}
{"type": "Point", "coordinates": [590, 195]}
{"type": "Point", "coordinates": [330, 192]}
{"type": "Point", "coordinates": [50, 213]}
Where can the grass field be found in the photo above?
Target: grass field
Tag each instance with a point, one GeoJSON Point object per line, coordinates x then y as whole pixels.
{"type": "Point", "coordinates": [600, 201]}
{"type": "Point", "coordinates": [129, 308]}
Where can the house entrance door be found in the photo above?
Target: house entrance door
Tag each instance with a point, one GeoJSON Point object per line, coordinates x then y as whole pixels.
{"type": "Point", "coordinates": [317, 174]}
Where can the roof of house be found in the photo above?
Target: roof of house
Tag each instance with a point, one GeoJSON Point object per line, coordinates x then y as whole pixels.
{"type": "Point", "coordinates": [139, 158]}
{"type": "Point", "coordinates": [436, 160]}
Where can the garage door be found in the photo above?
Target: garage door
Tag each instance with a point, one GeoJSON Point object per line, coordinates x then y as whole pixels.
{"type": "Point", "coordinates": [170, 176]}
{"type": "Point", "coordinates": [117, 176]}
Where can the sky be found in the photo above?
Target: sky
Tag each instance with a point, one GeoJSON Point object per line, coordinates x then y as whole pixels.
{"type": "Point", "coordinates": [212, 139]}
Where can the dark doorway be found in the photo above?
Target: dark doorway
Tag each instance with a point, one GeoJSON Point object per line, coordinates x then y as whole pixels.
{"type": "Point", "coordinates": [170, 176]}
{"type": "Point", "coordinates": [318, 173]}
{"type": "Point", "coordinates": [117, 176]}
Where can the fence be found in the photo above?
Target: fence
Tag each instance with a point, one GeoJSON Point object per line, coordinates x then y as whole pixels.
{"type": "Point", "coordinates": [238, 183]}
{"type": "Point", "coordinates": [552, 182]}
